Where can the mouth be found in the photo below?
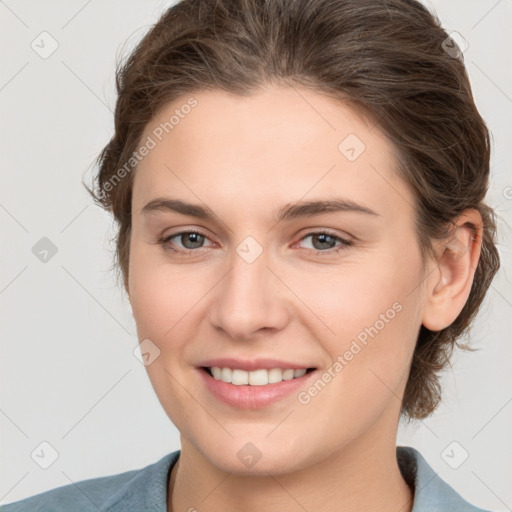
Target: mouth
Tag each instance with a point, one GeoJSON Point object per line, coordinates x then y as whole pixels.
{"type": "Point", "coordinates": [258, 377]}
{"type": "Point", "coordinates": [254, 389]}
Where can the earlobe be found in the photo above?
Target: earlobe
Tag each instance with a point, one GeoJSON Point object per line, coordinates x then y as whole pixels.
{"type": "Point", "coordinates": [450, 284]}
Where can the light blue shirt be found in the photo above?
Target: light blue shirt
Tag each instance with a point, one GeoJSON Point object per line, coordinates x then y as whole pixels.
{"type": "Point", "coordinates": [145, 489]}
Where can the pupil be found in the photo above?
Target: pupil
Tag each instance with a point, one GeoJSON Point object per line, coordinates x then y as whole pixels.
{"type": "Point", "coordinates": [322, 238]}
{"type": "Point", "coordinates": [191, 236]}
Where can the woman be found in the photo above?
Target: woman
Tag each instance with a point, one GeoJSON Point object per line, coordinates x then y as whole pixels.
{"type": "Point", "coordinates": [299, 189]}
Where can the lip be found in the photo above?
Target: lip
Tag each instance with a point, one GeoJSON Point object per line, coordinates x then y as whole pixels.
{"type": "Point", "coordinates": [253, 397]}
{"type": "Point", "coordinates": [253, 364]}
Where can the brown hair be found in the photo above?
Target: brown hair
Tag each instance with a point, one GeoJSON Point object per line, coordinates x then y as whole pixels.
{"type": "Point", "coordinates": [387, 58]}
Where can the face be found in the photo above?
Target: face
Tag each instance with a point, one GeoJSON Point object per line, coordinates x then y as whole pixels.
{"type": "Point", "coordinates": [270, 275]}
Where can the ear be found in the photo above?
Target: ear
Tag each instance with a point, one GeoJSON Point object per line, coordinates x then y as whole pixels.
{"type": "Point", "coordinates": [449, 284]}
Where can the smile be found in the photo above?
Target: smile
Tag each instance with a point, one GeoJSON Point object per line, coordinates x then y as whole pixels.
{"type": "Point", "coordinates": [260, 377]}
{"type": "Point", "coordinates": [256, 388]}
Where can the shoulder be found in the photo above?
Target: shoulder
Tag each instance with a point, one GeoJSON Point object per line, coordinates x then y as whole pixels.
{"type": "Point", "coordinates": [431, 492]}
{"type": "Point", "coordinates": [145, 488]}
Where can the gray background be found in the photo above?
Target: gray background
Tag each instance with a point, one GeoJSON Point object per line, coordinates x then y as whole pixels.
{"type": "Point", "coordinates": [68, 373]}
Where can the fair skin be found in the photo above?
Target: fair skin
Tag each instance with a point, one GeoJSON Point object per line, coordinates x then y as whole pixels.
{"type": "Point", "coordinates": [243, 158]}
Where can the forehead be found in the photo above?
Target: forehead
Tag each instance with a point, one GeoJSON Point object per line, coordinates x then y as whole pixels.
{"type": "Point", "coordinates": [278, 145]}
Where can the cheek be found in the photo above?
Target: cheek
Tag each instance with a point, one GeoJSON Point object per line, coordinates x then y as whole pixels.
{"type": "Point", "coordinates": [371, 316]}
{"type": "Point", "coordinates": [162, 300]}
{"type": "Point", "coordinates": [161, 294]}
{"type": "Point", "coordinates": [354, 295]}
{"type": "Point", "coordinates": [374, 322]}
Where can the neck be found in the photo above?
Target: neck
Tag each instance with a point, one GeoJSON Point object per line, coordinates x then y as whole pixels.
{"type": "Point", "coordinates": [359, 477]}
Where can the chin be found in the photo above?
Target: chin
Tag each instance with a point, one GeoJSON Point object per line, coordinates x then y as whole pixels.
{"type": "Point", "coordinates": [243, 457]}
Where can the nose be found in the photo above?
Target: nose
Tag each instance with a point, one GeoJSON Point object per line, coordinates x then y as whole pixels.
{"type": "Point", "coordinates": [250, 300]}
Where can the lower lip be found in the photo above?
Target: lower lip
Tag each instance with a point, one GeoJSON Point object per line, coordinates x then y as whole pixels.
{"type": "Point", "coordinates": [252, 397]}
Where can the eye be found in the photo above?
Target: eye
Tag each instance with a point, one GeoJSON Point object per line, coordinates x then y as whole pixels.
{"type": "Point", "coordinates": [323, 241]}
{"type": "Point", "coordinates": [190, 240]}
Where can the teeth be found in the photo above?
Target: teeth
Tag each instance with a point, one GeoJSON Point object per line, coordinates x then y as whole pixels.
{"type": "Point", "coordinates": [239, 378]}
{"type": "Point", "coordinates": [256, 377]}
{"type": "Point", "coordinates": [288, 374]}
{"type": "Point", "coordinates": [275, 375]}
{"type": "Point", "coordinates": [226, 374]}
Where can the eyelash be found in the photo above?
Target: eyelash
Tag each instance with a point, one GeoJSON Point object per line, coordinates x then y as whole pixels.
{"type": "Point", "coordinates": [165, 242]}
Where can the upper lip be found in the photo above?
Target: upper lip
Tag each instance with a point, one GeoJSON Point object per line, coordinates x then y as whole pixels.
{"type": "Point", "coordinates": [252, 364]}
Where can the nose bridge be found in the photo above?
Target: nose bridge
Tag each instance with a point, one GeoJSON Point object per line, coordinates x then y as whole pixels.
{"type": "Point", "coordinates": [248, 299]}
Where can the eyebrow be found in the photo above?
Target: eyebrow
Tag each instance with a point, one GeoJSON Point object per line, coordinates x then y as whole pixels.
{"type": "Point", "coordinates": [287, 212]}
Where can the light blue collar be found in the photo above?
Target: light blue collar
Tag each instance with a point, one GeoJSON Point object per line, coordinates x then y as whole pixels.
{"type": "Point", "coordinates": [148, 488]}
